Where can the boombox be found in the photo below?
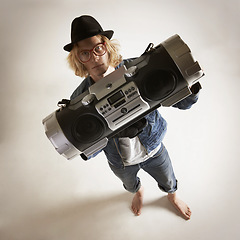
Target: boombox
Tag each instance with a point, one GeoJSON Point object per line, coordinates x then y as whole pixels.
{"type": "Point", "coordinates": [161, 76]}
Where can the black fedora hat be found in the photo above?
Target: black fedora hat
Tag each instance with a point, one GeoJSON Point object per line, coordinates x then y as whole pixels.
{"type": "Point", "coordinates": [85, 27]}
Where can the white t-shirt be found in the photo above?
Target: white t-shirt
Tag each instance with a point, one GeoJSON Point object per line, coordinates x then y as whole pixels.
{"type": "Point", "coordinates": [133, 152]}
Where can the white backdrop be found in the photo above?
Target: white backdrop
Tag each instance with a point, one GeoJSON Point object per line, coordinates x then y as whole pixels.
{"type": "Point", "coordinates": [44, 196]}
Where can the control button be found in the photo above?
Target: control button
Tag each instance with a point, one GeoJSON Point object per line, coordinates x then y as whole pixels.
{"type": "Point", "coordinates": [132, 94]}
{"type": "Point", "coordinates": [109, 85]}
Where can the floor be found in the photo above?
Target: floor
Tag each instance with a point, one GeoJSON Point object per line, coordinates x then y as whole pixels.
{"type": "Point", "coordinates": [46, 197]}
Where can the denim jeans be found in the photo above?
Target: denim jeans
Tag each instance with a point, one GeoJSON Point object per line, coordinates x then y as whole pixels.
{"type": "Point", "coordinates": [159, 167]}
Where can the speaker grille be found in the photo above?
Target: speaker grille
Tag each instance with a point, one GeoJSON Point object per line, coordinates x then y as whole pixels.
{"type": "Point", "coordinates": [158, 84]}
{"type": "Point", "coordinates": [88, 128]}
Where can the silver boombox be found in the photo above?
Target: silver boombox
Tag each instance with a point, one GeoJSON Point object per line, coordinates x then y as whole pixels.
{"type": "Point", "coordinates": [162, 76]}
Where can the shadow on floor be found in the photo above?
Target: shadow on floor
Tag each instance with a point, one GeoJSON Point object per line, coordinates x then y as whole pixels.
{"type": "Point", "coordinates": [77, 220]}
{"type": "Point", "coordinates": [164, 203]}
{"type": "Point", "coordinates": [72, 220]}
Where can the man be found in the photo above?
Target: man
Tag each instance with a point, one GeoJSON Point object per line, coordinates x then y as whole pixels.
{"type": "Point", "coordinates": [93, 56]}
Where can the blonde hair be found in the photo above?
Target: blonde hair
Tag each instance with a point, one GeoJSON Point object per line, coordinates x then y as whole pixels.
{"type": "Point", "coordinates": [112, 49]}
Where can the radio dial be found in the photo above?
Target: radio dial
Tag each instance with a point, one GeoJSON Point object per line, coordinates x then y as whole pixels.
{"type": "Point", "coordinates": [124, 110]}
{"type": "Point", "coordinates": [88, 99]}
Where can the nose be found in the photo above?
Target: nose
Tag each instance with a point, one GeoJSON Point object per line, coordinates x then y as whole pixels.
{"type": "Point", "coordinates": [95, 57]}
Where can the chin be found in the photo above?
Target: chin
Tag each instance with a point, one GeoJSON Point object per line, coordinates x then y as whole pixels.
{"type": "Point", "coordinates": [109, 70]}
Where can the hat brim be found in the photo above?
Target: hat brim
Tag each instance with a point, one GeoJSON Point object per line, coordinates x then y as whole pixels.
{"type": "Point", "coordinates": [108, 34]}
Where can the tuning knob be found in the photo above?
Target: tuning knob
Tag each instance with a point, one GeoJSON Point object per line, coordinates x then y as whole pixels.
{"type": "Point", "coordinates": [88, 99]}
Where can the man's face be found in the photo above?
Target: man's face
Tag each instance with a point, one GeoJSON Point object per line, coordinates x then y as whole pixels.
{"type": "Point", "coordinates": [97, 66]}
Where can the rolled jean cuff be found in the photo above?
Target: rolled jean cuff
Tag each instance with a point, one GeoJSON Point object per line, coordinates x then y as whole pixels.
{"type": "Point", "coordinates": [171, 190]}
{"type": "Point", "coordinates": [135, 188]}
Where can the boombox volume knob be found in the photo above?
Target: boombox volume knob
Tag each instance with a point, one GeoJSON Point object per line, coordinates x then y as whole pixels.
{"type": "Point", "coordinates": [88, 99]}
{"type": "Point", "coordinates": [131, 71]}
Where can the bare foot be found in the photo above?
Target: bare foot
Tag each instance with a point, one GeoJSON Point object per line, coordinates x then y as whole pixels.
{"type": "Point", "coordinates": [137, 202]}
{"type": "Point", "coordinates": [181, 206]}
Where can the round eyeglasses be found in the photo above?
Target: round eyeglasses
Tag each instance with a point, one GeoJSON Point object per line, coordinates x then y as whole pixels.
{"type": "Point", "coordinates": [99, 50]}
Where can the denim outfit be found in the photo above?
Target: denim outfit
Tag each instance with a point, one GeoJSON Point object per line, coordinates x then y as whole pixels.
{"type": "Point", "coordinates": [159, 166]}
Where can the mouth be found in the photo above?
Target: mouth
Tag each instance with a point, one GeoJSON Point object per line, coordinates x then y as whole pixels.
{"type": "Point", "coordinates": [97, 66]}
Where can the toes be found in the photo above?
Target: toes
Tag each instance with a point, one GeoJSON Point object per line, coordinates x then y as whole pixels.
{"type": "Point", "coordinates": [136, 211]}
{"type": "Point", "coordinates": [188, 213]}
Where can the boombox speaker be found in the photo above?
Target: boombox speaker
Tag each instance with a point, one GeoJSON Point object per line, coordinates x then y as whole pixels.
{"type": "Point", "coordinates": [161, 76]}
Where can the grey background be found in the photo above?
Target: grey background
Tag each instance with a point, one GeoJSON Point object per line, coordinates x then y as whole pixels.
{"type": "Point", "coordinates": [44, 196]}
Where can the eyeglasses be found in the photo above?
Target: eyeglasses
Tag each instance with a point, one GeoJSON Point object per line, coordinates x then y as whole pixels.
{"type": "Point", "coordinates": [99, 50]}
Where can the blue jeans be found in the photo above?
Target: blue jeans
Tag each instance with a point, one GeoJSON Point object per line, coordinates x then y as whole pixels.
{"type": "Point", "coordinates": [159, 167]}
